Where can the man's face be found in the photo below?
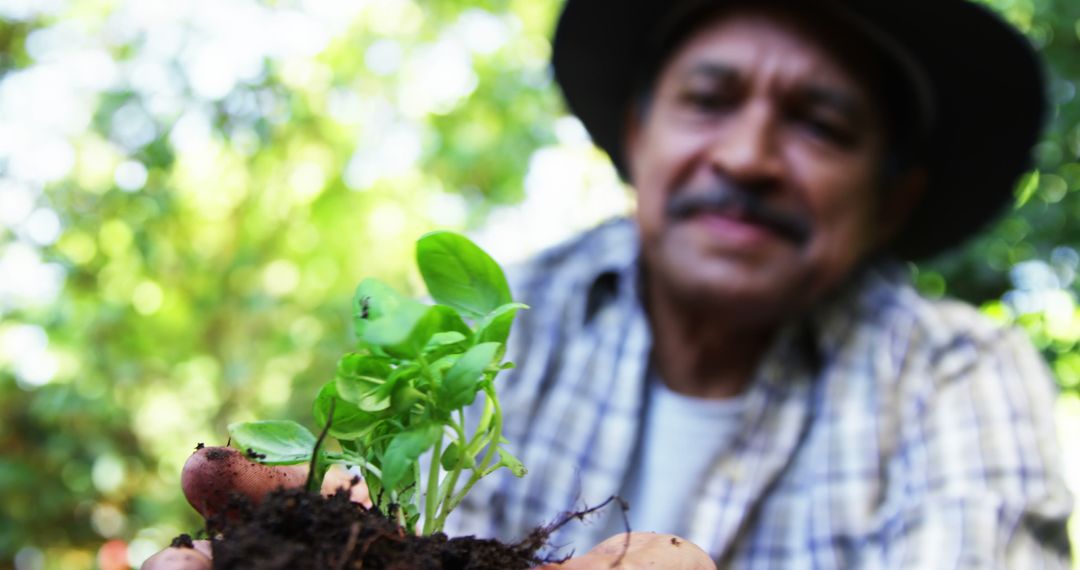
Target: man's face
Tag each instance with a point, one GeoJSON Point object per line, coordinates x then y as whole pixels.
{"type": "Point", "coordinates": [757, 166]}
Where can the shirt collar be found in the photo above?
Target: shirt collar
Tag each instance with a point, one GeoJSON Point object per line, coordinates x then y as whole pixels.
{"type": "Point", "coordinates": [616, 267]}
{"type": "Point", "coordinates": [616, 271]}
{"type": "Point", "coordinates": [872, 288]}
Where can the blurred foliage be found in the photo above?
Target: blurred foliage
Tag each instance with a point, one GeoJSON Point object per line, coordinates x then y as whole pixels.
{"type": "Point", "coordinates": [1024, 270]}
{"type": "Point", "coordinates": [189, 192]}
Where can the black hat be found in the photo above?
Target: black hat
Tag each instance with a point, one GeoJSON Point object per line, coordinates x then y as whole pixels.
{"type": "Point", "coordinates": [981, 81]}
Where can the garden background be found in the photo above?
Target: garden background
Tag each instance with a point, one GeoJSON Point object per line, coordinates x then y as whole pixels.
{"type": "Point", "coordinates": [190, 190]}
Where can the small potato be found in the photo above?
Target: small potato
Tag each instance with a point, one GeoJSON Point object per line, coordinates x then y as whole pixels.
{"type": "Point", "coordinates": [212, 474]}
{"type": "Point", "coordinates": [174, 558]}
{"type": "Point", "coordinates": [646, 550]}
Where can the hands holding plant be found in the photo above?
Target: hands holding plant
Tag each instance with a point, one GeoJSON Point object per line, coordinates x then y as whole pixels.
{"type": "Point", "coordinates": [403, 392]}
{"type": "Point", "coordinates": [640, 551]}
{"type": "Point", "coordinates": [400, 395]}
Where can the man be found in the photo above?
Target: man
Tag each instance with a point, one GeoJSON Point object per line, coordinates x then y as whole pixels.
{"type": "Point", "coordinates": [742, 361]}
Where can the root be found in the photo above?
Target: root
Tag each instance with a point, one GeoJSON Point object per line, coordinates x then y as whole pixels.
{"type": "Point", "coordinates": [350, 545]}
{"type": "Point", "coordinates": [539, 537]}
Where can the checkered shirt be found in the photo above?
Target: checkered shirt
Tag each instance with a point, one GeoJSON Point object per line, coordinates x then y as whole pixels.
{"type": "Point", "coordinates": [881, 430]}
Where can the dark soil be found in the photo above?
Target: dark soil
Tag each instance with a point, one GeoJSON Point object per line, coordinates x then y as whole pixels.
{"type": "Point", "coordinates": [298, 530]}
{"type": "Point", "coordinates": [182, 541]}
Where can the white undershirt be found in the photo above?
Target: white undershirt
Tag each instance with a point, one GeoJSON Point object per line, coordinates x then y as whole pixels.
{"type": "Point", "coordinates": [681, 438]}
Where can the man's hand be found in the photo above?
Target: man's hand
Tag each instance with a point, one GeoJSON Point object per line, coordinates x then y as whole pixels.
{"type": "Point", "coordinates": [646, 550]}
{"type": "Point", "coordinates": [199, 557]}
{"type": "Point", "coordinates": [194, 557]}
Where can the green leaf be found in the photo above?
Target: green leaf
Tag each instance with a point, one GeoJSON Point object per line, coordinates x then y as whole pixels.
{"type": "Point", "coordinates": [461, 275]}
{"type": "Point", "coordinates": [495, 326]}
{"type": "Point", "coordinates": [405, 449]}
{"type": "Point", "coordinates": [363, 392]}
{"type": "Point", "coordinates": [444, 363]}
{"type": "Point", "coordinates": [448, 342]}
{"type": "Point", "coordinates": [406, 333]}
{"type": "Point", "coordinates": [355, 364]}
{"type": "Point", "coordinates": [459, 387]}
{"type": "Point", "coordinates": [512, 463]}
{"type": "Point", "coordinates": [412, 513]}
{"type": "Point", "coordinates": [372, 300]}
{"type": "Point", "coordinates": [282, 442]}
{"type": "Point", "coordinates": [446, 338]}
{"type": "Point", "coordinates": [439, 319]}
{"type": "Point", "coordinates": [375, 490]}
{"type": "Point", "coordinates": [350, 422]}
{"type": "Point", "coordinates": [1026, 187]}
{"type": "Point", "coordinates": [359, 378]}
{"type": "Point", "coordinates": [392, 331]}
{"type": "Point", "coordinates": [384, 395]}
{"type": "Point", "coordinates": [452, 454]}
{"type": "Point", "coordinates": [403, 398]}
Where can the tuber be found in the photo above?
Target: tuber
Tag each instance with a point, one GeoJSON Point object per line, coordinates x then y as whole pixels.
{"type": "Point", "coordinates": [212, 474]}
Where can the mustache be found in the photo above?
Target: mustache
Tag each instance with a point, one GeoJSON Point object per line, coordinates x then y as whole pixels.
{"type": "Point", "coordinates": [723, 196]}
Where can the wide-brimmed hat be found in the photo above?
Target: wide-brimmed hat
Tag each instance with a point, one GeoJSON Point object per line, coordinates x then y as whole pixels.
{"type": "Point", "coordinates": [982, 81]}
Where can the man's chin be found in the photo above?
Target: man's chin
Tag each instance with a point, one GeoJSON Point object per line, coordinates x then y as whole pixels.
{"type": "Point", "coordinates": [733, 286]}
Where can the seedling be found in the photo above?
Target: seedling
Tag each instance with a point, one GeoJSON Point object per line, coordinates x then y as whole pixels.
{"type": "Point", "coordinates": [403, 392]}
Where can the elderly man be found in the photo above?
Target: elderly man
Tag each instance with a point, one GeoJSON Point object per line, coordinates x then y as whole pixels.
{"type": "Point", "coordinates": [745, 361]}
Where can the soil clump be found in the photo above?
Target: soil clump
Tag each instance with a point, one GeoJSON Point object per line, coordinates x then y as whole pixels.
{"type": "Point", "coordinates": [295, 529]}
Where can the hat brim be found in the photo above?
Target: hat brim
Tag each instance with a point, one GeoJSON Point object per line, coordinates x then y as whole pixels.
{"type": "Point", "coordinates": [985, 81]}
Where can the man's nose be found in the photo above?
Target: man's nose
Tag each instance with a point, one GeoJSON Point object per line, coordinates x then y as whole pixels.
{"type": "Point", "coordinates": [746, 149]}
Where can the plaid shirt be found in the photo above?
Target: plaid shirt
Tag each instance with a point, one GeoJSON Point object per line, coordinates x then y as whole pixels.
{"type": "Point", "coordinates": [882, 429]}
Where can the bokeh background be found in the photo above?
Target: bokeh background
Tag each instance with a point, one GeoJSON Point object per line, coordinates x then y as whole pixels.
{"type": "Point", "coordinates": [189, 191]}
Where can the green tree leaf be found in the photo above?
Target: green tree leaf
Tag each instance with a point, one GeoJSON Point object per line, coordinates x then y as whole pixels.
{"type": "Point", "coordinates": [283, 442]}
{"type": "Point", "coordinates": [461, 275]}
{"type": "Point", "coordinates": [405, 449]}
{"type": "Point", "coordinates": [1025, 188]}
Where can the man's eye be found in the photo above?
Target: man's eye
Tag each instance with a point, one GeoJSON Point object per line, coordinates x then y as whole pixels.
{"type": "Point", "coordinates": [827, 130]}
{"type": "Point", "coordinates": [707, 101]}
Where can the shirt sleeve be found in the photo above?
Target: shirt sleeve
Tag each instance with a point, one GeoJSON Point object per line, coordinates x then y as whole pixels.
{"type": "Point", "coordinates": [977, 481]}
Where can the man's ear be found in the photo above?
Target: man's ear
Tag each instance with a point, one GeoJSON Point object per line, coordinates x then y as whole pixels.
{"type": "Point", "coordinates": [904, 193]}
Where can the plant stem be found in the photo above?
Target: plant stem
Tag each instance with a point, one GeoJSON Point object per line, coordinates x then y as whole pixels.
{"type": "Point", "coordinates": [496, 420]}
{"type": "Point", "coordinates": [350, 459]}
{"type": "Point", "coordinates": [478, 441]}
{"type": "Point", "coordinates": [431, 493]}
{"type": "Point", "coordinates": [481, 469]}
{"type": "Point", "coordinates": [447, 488]}
{"type": "Point", "coordinates": [417, 496]}
{"type": "Point", "coordinates": [317, 468]}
